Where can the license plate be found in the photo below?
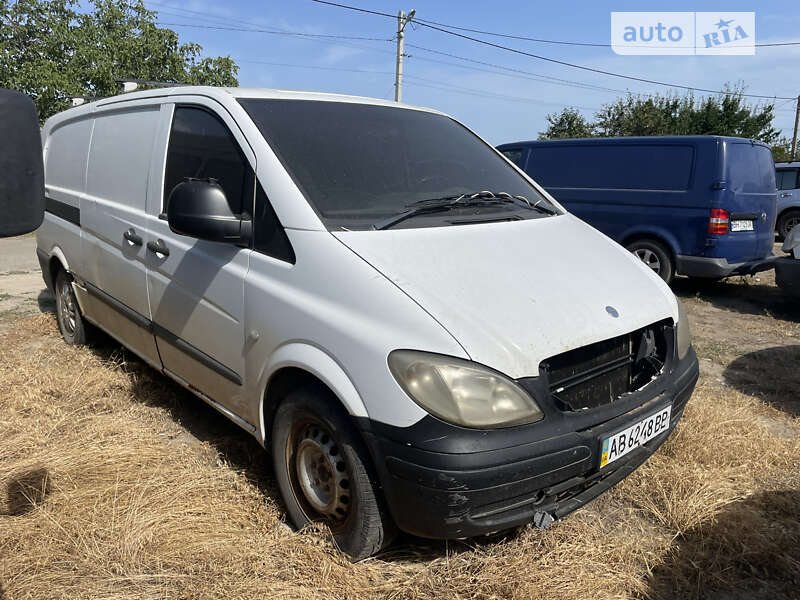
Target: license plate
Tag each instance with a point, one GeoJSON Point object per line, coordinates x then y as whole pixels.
{"type": "Point", "coordinates": [742, 225]}
{"type": "Point", "coordinates": [619, 444]}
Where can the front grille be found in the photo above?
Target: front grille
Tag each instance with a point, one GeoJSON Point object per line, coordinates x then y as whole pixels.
{"type": "Point", "coordinates": [602, 372]}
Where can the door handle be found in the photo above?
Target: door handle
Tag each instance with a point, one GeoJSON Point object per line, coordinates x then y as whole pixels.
{"type": "Point", "coordinates": [132, 237]}
{"type": "Point", "coordinates": [158, 247]}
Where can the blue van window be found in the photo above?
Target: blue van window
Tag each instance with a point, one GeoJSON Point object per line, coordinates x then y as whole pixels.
{"type": "Point", "coordinates": [786, 179]}
{"type": "Point", "coordinates": [750, 167]}
{"type": "Point", "coordinates": [514, 155]}
{"type": "Point", "coordinates": [626, 167]}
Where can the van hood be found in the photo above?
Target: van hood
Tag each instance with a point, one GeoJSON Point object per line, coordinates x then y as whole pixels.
{"type": "Point", "coordinates": [515, 293]}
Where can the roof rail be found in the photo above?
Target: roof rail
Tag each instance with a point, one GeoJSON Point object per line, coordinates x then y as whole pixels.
{"type": "Point", "coordinates": [130, 85]}
{"type": "Point", "coordinates": [80, 100]}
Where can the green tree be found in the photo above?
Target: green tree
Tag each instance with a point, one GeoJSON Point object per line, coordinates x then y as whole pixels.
{"type": "Point", "coordinates": [569, 123]}
{"type": "Point", "coordinates": [723, 114]}
{"type": "Point", "coordinates": [54, 50]}
{"type": "Point", "coordinates": [782, 150]}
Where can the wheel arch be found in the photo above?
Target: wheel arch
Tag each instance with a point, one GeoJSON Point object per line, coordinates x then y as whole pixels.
{"type": "Point", "coordinates": [297, 364]}
{"type": "Point", "coordinates": [57, 259]}
{"type": "Point", "coordinates": [663, 238]}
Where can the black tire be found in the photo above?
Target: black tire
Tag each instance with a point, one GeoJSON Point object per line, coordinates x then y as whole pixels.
{"type": "Point", "coordinates": [786, 222]}
{"type": "Point", "coordinates": [655, 256]}
{"type": "Point", "coordinates": [313, 440]}
{"type": "Point", "coordinates": [74, 329]}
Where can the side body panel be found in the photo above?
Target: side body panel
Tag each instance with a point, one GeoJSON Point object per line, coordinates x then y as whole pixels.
{"type": "Point", "coordinates": [113, 223]}
{"type": "Point", "coordinates": [334, 315]}
{"type": "Point", "coordinates": [197, 291]}
{"type": "Point", "coordinates": [66, 148]}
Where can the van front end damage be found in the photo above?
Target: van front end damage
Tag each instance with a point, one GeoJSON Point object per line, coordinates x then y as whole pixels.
{"type": "Point", "coordinates": [445, 481]}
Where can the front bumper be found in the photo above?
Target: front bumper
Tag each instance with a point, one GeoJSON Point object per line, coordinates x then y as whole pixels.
{"type": "Point", "coordinates": [443, 481]}
{"type": "Point", "coordinates": [703, 266]}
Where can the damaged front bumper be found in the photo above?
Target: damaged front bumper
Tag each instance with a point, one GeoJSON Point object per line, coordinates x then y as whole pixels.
{"type": "Point", "coordinates": [444, 481]}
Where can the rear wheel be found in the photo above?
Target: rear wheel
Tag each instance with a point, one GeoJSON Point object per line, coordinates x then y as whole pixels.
{"type": "Point", "coordinates": [324, 473]}
{"type": "Point", "coordinates": [786, 222]}
{"type": "Point", "coordinates": [655, 256]}
{"type": "Point", "coordinates": [70, 321]}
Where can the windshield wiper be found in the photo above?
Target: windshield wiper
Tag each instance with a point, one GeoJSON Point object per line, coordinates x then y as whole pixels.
{"type": "Point", "coordinates": [445, 203]}
{"type": "Point", "coordinates": [429, 206]}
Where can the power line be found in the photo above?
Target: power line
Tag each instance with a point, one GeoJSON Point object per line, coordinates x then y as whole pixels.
{"type": "Point", "coordinates": [534, 76]}
{"type": "Point", "coordinates": [426, 22]}
{"type": "Point", "coordinates": [279, 32]}
{"type": "Point", "coordinates": [529, 74]}
{"type": "Point", "coordinates": [207, 16]}
{"type": "Point", "coordinates": [571, 43]}
{"type": "Point", "coordinates": [336, 42]}
{"type": "Point", "coordinates": [487, 95]}
{"type": "Point", "coordinates": [511, 72]}
{"type": "Point", "coordinates": [556, 61]}
{"type": "Point", "coordinates": [523, 74]}
{"type": "Point", "coordinates": [428, 83]}
{"type": "Point", "coordinates": [313, 67]}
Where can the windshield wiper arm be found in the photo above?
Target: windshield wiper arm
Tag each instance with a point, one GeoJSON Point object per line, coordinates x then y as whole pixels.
{"type": "Point", "coordinates": [441, 206]}
{"type": "Point", "coordinates": [541, 204]}
{"type": "Point", "coordinates": [445, 203]}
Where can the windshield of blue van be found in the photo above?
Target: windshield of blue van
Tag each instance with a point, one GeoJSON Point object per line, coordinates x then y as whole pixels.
{"type": "Point", "coordinates": [358, 165]}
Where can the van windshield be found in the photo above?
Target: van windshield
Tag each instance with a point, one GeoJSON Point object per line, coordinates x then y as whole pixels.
{"type": "Point", "coordinates": [358, 164]}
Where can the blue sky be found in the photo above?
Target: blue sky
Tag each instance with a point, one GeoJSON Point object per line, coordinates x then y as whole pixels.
{"type": "Point", "coordinates": [500, 107]}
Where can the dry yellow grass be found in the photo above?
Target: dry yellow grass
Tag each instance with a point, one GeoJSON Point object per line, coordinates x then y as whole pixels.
{"type": "Point", "coordinates": [104, 495]}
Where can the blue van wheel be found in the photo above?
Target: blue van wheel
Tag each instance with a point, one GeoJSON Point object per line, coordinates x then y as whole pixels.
{"type": "Point", "coordinates": [654, 255]}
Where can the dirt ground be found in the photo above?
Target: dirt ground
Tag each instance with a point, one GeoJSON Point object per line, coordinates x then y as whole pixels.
{"type": "Point", "coordinates": [115, 483]}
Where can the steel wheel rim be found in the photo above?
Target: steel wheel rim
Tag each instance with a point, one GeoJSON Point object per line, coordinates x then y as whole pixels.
{"type": "Point", "coordinates": [649, 258]}
{"type": "Point", "coordinates": [69, 313]}
{"type": "Point", "coordinates": [318, 473]}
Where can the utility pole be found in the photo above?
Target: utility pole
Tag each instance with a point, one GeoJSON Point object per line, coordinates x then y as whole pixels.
{"type": "Point", "coordinates": [402, 21]}
{"type": "Point", "coordinates": [794, 137]}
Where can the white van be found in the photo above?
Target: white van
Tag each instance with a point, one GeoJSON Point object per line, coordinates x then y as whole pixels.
{"type": "Point", "coordinates": [423, 337]}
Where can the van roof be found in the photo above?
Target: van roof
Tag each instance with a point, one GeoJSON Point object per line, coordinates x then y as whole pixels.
{"type": "Point", "coordinates": [223, 93]}
{"type": "Point", "coordinates": [669, 139]}
{"type": "Point", "coordinates": [787, 164]}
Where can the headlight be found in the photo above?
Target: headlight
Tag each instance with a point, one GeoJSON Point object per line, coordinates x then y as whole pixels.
{"type": "Point", "coordinates": [462, 392]}
{"type": "Point", "coordinates": [684, 334]}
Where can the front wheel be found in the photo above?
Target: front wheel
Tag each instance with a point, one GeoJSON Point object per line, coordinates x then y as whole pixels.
{"type": "Point", "coordinates": [324, 474]}
{"type": "Point", "coordinates": [654, 255]}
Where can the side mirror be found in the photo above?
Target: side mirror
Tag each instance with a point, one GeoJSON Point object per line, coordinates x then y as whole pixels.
{"type": "Point", "coordinates": [198, 208]}
{"type": "Point", "coordinates": [22, 179]}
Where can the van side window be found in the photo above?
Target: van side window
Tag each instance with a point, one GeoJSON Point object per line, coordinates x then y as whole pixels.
{"type": "Point", "coordinates": [624, 166]}
{"type": "Point", "coordinates": [786, 179]}
{"type": "Point", "coordinates": [201, 146]}
{"type": "Point", "coordinates": [514, 155]}
{"type": "Point", "coordinates": [269, 236]}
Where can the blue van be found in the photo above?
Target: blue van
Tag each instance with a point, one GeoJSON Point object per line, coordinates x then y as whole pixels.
{"type": "Point", "coordinates": [702, 206]}
{"type": "Point", "coordinates": [788, 179]}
